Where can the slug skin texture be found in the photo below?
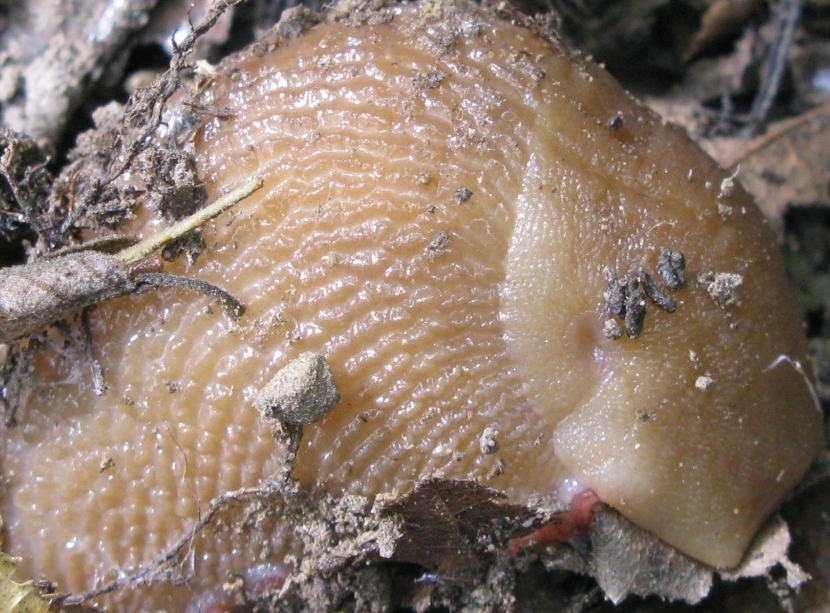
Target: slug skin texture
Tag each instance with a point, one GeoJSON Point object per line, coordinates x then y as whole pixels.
{"type": "Point", "coordinates": [445, 194]}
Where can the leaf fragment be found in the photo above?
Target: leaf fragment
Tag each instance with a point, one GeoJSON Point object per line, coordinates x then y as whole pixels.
{"type": "Point", "coordinates": [17, 597]}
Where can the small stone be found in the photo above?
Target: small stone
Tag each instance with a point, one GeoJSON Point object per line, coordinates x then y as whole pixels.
{"type": "Point", "coordinates": [722, 286]}
{"type": "Point", "coordinates": [615, 123]}
{"type": "Point", "coordinates": [498, 469]}
{"type": "Point", "coordinates": [614, 295]}
{"type": "Point", "coordinates": [463, 194]}
{"type": "Point", "coordinates": [635, 309]}
{"type": "Point", "coordinates": [665, 302]}
{"type": "Point", "coordinates": [439, 242]}
{"type": "Point", "coordinates": [704, 382]}
{"type": "Point", "coordinates": [488, 443]}
{"type": "Point", "coordinates": [300, 393]}
{"type": "Point", "coordinates": [612, 329]}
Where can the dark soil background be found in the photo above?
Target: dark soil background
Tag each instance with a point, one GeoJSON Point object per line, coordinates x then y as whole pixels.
{"type": "Point", "coordinates": [748, 79]}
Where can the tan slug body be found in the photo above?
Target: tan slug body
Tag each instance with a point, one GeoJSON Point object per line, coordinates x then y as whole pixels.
{"type": "Point", "coordinates": [445, 197]}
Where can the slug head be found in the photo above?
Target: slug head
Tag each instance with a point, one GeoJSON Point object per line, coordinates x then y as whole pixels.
{"type": "Point", "coordinates": [700, 426]}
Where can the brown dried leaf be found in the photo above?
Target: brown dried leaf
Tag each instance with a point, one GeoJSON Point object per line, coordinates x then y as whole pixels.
{"type": "Point", "coordinates": [722, 20]}
{"type": "Point", "coordinates": [788, 166]}
{"type": "Point", "coordinates": [441, 520]}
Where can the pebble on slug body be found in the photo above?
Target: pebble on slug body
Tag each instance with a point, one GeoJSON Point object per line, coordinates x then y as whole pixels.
{"type": "Point", "coordinates": [502, 327]}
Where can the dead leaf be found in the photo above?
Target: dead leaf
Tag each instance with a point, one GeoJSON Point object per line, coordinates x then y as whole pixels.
{"type": "Point", "coordinates": [722, 20]}
{"type": "Point", "coordinates": [788, 166]}
{"type": "Point", "coordinates": [17, 597]}
{"type": "Point", "coordinates": [768, 549]}
{"type": "Point", "coordinates": [441, 521]}
{"type": "Point", "coordinates": [809, 62]}
{"type": "Point", "coordinates": [629, 560]}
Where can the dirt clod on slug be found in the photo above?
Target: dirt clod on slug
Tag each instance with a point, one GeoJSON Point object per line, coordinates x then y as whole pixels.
{"type": "Point", "coordinates": [300, 393]}
{"type": "Point", "coordinates": [722, 286]}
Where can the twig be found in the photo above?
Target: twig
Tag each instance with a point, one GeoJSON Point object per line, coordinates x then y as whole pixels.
{"type": "Point", "coordinates": [32, 296]}
{"type": "Point", "coordinates": [155, 280]}
{"type": "Point", "coordinates": [159, 92]}
{"type": "Point", "coordinates": [167, 84]}
{"type": "Point", "coordinates": [787, 16]}
{"type": "Point", "coordinates": [154, 572]}
{"type": "Point", "coordinates": [280, 487]}
{"type": "Point", "coordinates": [141, 250]}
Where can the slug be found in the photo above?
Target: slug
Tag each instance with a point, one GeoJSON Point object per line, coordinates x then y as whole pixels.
{"type": "Point", "coordinates": [484, 237]}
